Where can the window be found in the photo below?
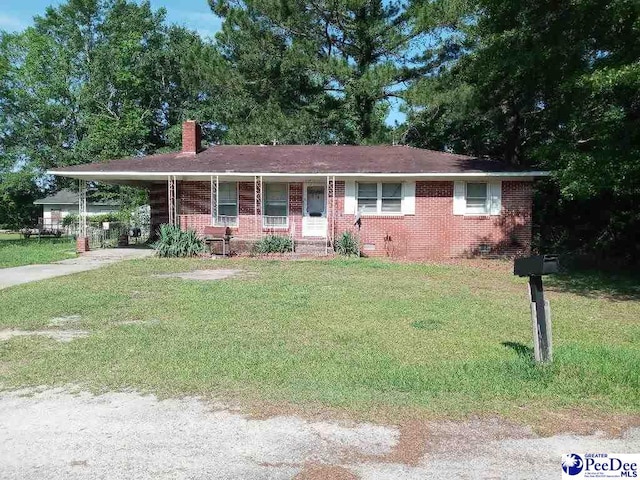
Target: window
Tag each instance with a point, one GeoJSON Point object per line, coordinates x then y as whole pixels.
{"type": "Point", "coordinates": [276, 204]}
{"type": "Point", "coordinates": [476, 197]}
{"type": "Point", "coordinates": [380, 198]}
{"type": "Point", "coordinates": [368, 197]}
{"type": "Point", "coordinates": [227, 204]}
{"type": "Point", "coordinates": [391, 197]}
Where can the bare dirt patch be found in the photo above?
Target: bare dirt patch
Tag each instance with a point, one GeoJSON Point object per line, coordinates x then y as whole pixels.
{"type": "Point", "coordinates": [57, 335]}
{"type": "Point", "coordinates": [324, 472]}
{"type": "Point", "coordinates": [62, 433]}
{"type": "Point", "coordinates": [65, 320]}
{"type": "Point", "coordinates": [204, 275]}
{"type": "Point", "coordinates": [139, 322]}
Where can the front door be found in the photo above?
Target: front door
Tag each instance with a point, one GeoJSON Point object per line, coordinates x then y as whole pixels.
{"type": "Point", "coordinates": [314, 221]}
{"type": "Point", "coordinates": [315, 201]}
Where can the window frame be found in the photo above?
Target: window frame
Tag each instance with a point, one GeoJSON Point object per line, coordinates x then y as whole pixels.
{"type": "Point", "coordinates": [237, 204]}
{"type": "Point", "coordinates": [264, 205]}
{"type": "Point", "coordinates": [379, 198]}
{"type": "Point", "coordinates": [487, 200]}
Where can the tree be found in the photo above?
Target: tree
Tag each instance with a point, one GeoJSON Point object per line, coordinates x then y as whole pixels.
{"type": "Point", "coordinates": [17, 193]}
{"type": "Point", "coordinates": [336, 61]}
{"type": "Point", "coordinates": [550, 85]}
{"type": "Point", "coordinates": [94, 80]}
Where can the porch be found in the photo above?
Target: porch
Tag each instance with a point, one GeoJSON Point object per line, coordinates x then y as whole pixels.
{"type": "Point", "coordinates": [303, 209]}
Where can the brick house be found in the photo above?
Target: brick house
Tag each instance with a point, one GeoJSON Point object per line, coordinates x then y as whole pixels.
{"type": "Point", "coordinates": [412, 203]}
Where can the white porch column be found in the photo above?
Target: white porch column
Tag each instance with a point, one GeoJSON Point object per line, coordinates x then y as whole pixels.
{"type": "Point", "coordinates": [257, 199]}
{"type": "Point", "coordinates": [215, 184]}
{"type": "Point", "coordinates": [82, 240]}
{"type": "Point", "coordinates": [331, 210]}
{"type": "Point", "coordinates": [171, 204]}
{"type": "Point", "coordinates": [82, 208]}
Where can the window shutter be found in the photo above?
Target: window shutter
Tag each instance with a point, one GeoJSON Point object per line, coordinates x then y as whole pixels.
{"type": "Point", "coordinates": [409, 198]}
{"type": "Point", "coordinates": [459, 200]}
{"type": "Point", "coordinates": [349, 197]}
{"type": "Point", "coordinates": [496, 198]}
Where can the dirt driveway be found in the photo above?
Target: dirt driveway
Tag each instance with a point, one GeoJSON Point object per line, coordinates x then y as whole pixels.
{"type": "Point", "coordinates": [55, 434]}
{"type": "Point", "coordinates": [87, 261]}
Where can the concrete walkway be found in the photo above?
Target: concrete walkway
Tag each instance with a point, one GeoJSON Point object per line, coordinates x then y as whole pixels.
{"type": "Point", "coordinates": [87, 261]}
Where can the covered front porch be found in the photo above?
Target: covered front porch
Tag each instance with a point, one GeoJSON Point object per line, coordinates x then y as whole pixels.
{"type": "Point", "coordinates": [302, 208]}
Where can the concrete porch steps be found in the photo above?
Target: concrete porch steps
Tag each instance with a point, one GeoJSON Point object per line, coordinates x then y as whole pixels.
{"type": "Point", "coordinates": [312, 246]}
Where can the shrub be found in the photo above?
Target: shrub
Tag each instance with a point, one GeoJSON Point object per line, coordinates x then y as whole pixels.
{"type": "Point", "coordinates": [173, 242]}
{"type": "Point", "coordinates": [97, 220]}
{"type": "Point", "coordinates": [70, 220]}
{"type": "Point", "coordinates": [347, 244]}
{"type": "Point", "coordinates": [273, 244]}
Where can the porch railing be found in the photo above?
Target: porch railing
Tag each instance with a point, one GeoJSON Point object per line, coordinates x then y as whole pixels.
{"type": "Point", "coordinates": [227, 220]}
{"type": "Point", "coordinates": [274, 222]}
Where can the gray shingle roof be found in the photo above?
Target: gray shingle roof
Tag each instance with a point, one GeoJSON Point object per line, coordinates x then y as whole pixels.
{"type": "Point", "coordinates": [69, 197]}
{"type": "Point", "coordinates": [301, 159]}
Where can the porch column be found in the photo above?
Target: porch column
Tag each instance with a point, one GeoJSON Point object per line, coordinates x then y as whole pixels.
{"type": "Point", "coordinates": [257, 199]}
{"type": "Point", "coordinates": [171, 204]}
{"type": "Point", "coordinates": [214, 199]}
{"type": "Point", "coordinates": [331, 208]}
{"type": "Point", "coordinates": [82, 241]}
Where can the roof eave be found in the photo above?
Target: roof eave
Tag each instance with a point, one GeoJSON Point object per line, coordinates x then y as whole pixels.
{"type": "Point", "coordinates": [132, 175]}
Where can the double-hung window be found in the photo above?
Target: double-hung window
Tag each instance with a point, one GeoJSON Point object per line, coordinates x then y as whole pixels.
{"type": "Point", "coordinates": [379, 197]}
{"type": "Point", "coordinates": [276, 205]}
{"type": "Point", "coordinates": [477, 198]}
{"type": "Point", "coordinates": [227, 204]}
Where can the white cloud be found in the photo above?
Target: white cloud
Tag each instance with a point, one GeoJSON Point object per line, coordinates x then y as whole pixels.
{"type": "Point", "coordinates": [11, 23]}
{"type": "Point", "coordinates": [205, 23]}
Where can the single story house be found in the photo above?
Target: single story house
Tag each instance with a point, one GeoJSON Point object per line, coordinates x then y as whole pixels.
{"type": "Point", "coordinates": [57, 206]}
{"type": "Point", "coordinates": [412, 203]}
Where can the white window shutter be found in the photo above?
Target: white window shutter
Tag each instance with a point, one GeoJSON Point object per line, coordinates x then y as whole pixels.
{"type": "Point", "coordinates": [409, 198]}
{"type": "Point", "coordinates": [496, 198]}
{"type": "Point", "coordinates": [350, 197]}
{"type": "Point", "coordinates": [459, 199]}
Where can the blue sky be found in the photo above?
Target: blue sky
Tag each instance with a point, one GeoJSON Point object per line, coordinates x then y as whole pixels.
{"type": "Point", "coordinates": [16, 15]}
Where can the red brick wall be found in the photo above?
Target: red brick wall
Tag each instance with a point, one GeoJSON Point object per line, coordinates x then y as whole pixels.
{"type": "Point", "coordinates": [432, 233]}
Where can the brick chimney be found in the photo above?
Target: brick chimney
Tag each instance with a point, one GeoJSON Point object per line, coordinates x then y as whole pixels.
{"type": "Point", "coordinates": [191, 137]}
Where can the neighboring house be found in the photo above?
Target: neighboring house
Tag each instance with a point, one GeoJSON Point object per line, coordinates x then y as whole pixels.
{"type": "Point", "coordinates": [412, 203]}
{"type": "Point", "coordinates": [60, 204]}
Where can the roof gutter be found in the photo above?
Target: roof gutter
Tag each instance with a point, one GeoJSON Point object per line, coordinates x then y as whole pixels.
{"type": "Point", "coordinates": [159, 175]}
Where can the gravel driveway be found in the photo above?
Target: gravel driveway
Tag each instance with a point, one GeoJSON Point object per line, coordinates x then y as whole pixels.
{"type": "Point", "coordinates": [55, 434]}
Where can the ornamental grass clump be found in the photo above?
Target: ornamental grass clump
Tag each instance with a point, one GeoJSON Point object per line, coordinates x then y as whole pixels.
{"type": "Point", "coordinates": [347, 244]}
{"type": "Point", "coordinates": [173, 242]}
{"type": "Point", "coordinates": [273, 244]}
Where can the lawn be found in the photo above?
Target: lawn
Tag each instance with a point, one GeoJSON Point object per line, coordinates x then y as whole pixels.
{"type": "Point", "coordinates": [359, 335]}
{"type": "Point", "coordinates": [15, 250]}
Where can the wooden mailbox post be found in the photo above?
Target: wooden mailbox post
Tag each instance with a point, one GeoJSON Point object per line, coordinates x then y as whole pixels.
{"type": "Point", "coordinates": [534, 267]}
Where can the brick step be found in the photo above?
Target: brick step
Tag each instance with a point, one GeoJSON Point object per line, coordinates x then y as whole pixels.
{"type": "Point", "coordinates": [311, 247]}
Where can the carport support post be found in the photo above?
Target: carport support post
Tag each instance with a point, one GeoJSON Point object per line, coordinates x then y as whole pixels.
{"type": "Point", "coordinates": [540, 320]}
{"type": "Point", "coordinates": [82, 241]}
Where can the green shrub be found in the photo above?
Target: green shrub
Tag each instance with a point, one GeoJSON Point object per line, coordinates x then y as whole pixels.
{"type": "Point", "coordinates": [347, 244]}
{"type": "Point", "coordinates": [70, 220]}
{"type": "Point", "coordinates": [173, 242]}
{"type": "Point", "coordinates": [273, 244]}
{"type": "Point", "coordinates": [97, 220]}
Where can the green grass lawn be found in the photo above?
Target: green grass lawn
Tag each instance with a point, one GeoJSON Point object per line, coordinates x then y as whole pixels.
{"type": "Point", "coordinates": [360, 335]}
{"type": "Point", "coordinates": [16, 251]}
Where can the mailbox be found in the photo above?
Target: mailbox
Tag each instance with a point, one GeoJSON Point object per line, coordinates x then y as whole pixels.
{"type": "Point", "coordinates": [536, 265]}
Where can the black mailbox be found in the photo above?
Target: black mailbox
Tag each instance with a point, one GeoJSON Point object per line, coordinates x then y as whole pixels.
{"type": "Point", "coordinates": [536, 265]}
